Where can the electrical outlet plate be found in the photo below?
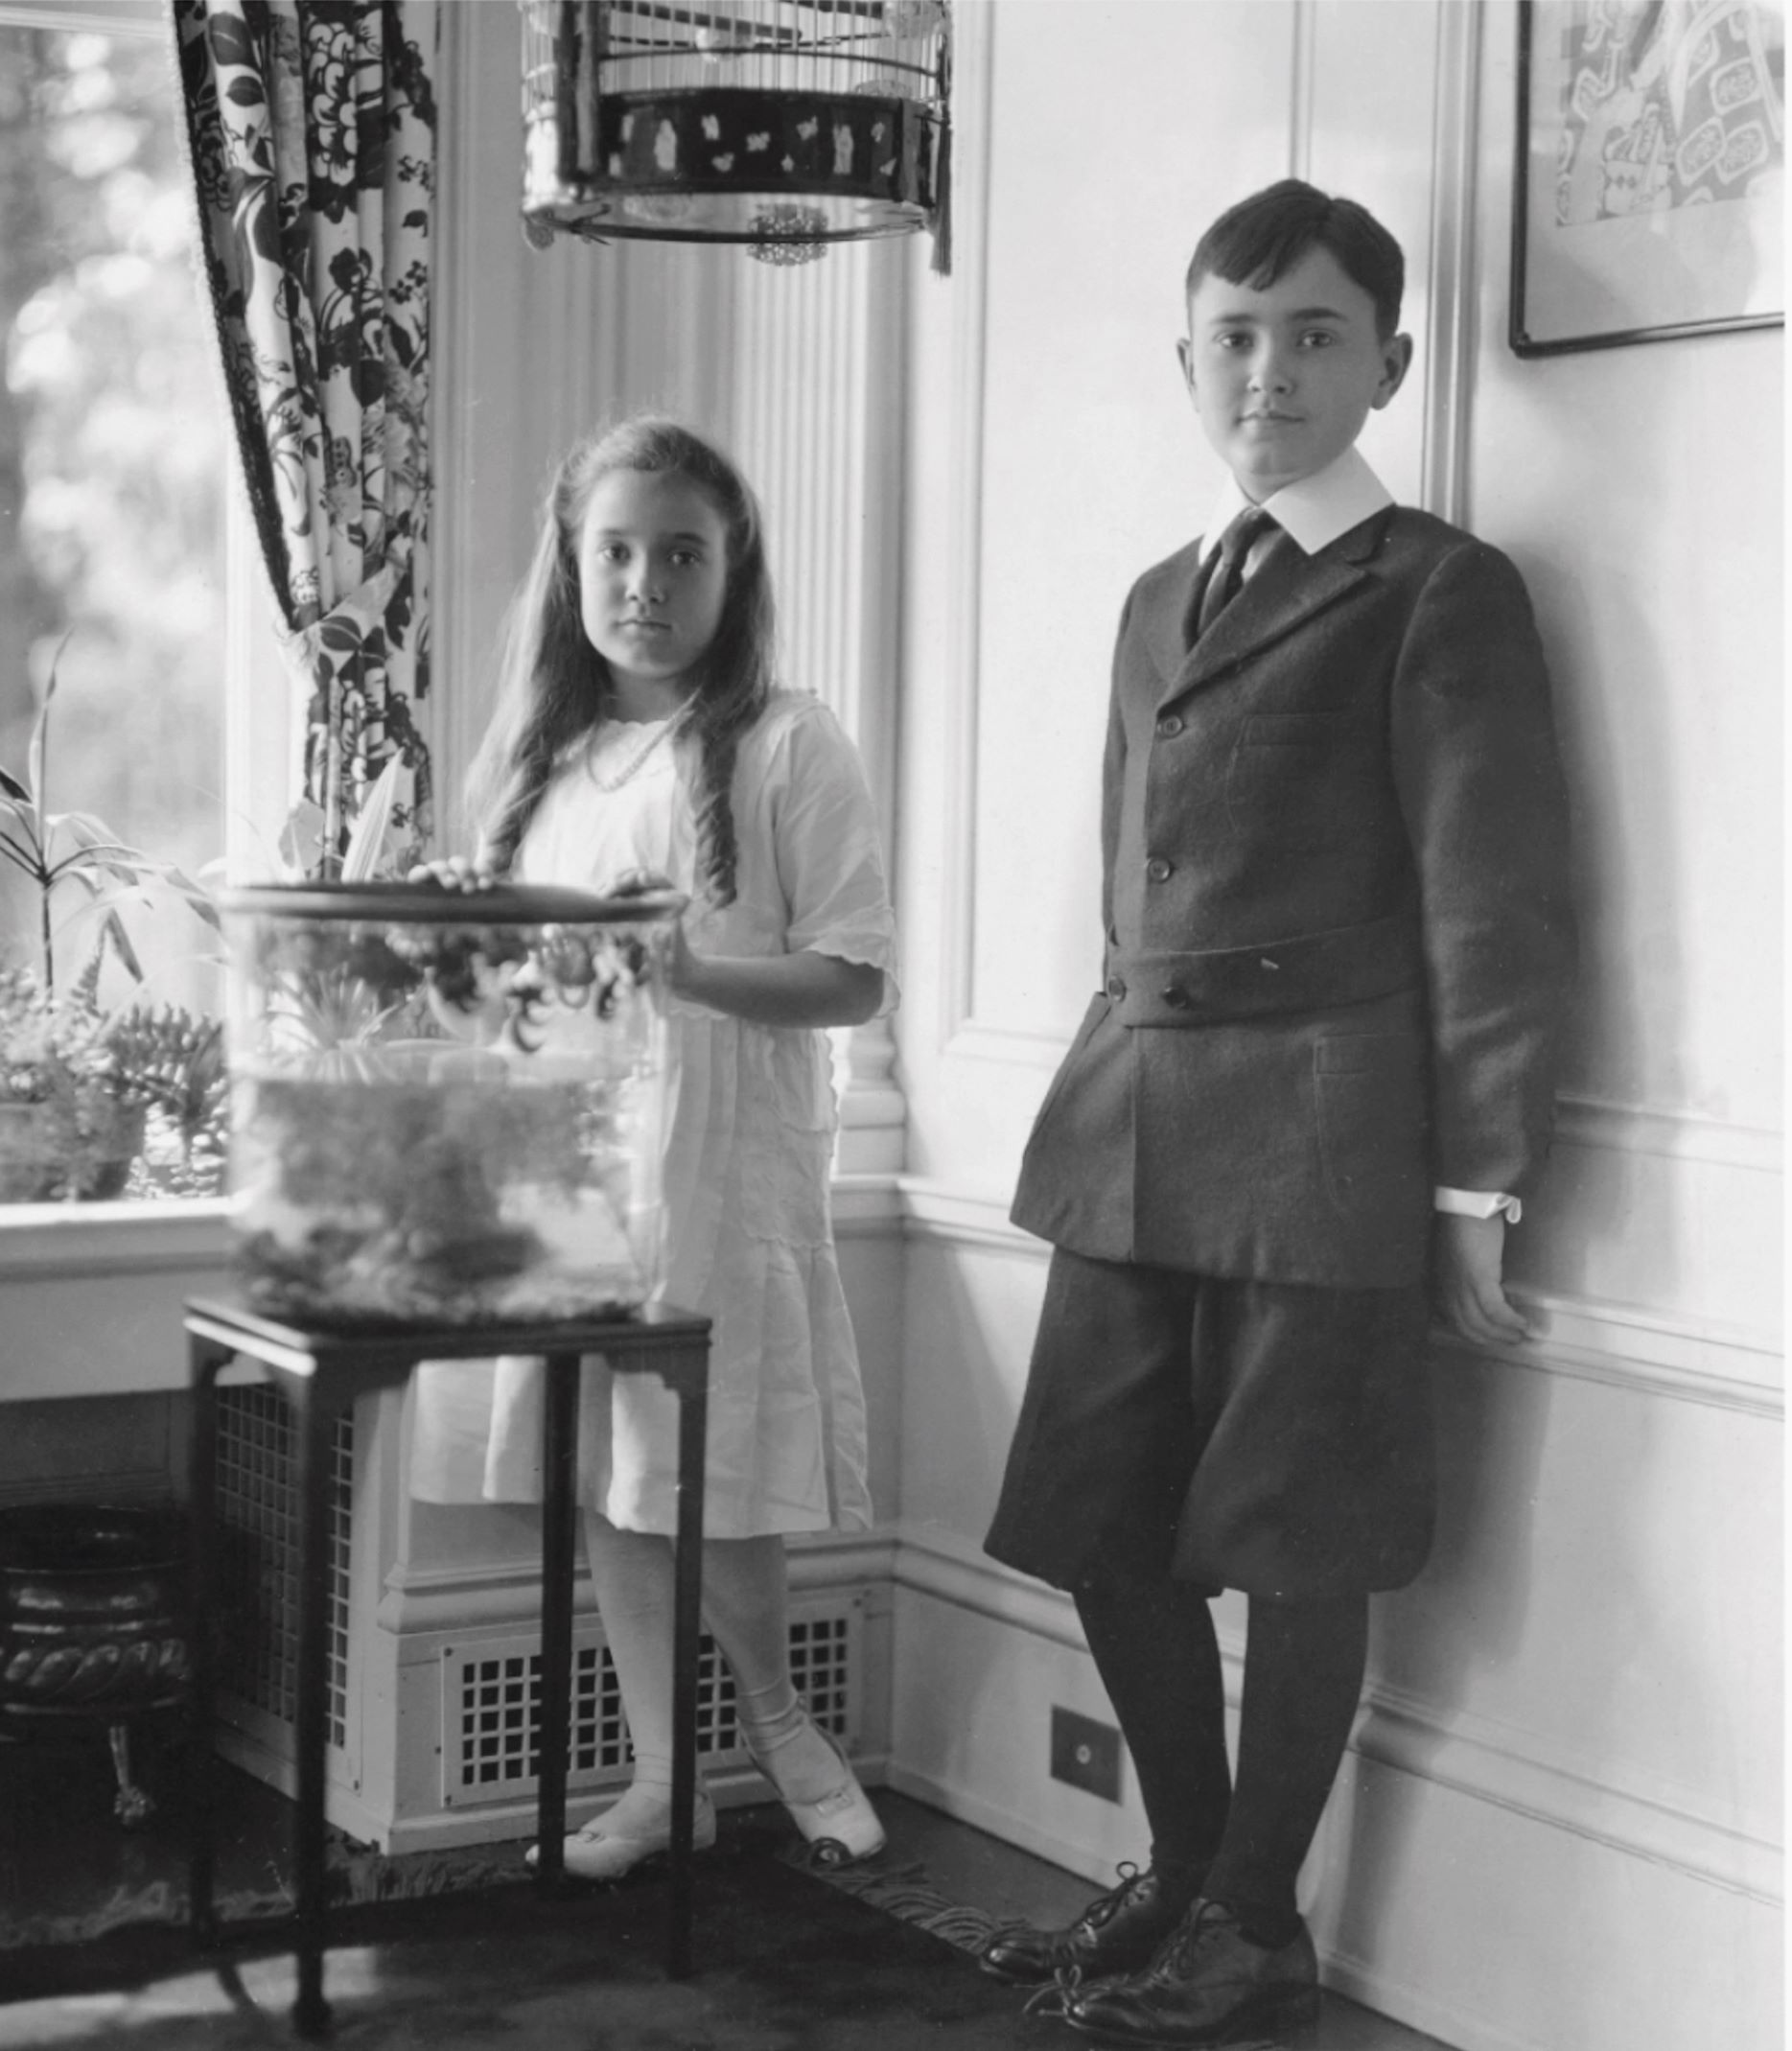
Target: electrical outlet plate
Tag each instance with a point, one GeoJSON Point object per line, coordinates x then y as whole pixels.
{"type": "Point", "coordinates": [1085, 1754]}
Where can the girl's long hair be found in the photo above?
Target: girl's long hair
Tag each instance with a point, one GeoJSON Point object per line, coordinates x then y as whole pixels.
{"type": "Point", "coordinates": [555, 688]}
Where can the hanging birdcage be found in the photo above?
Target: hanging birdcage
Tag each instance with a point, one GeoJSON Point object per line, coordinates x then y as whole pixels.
{"type": "Point", "coordinates": [783, 125]}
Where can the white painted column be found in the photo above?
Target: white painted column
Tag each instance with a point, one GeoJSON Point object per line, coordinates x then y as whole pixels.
{"type": "Point", "coordinates": [815, 375]}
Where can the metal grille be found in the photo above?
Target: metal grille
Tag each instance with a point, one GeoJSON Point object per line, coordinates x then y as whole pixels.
{"type": "Point", "coordinates": [258, 1554]}
{"type": "Point", "coordinates": [492, 1707]}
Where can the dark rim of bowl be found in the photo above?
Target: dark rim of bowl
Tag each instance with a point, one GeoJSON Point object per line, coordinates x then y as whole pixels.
{"type": "Point", "coordinates": [522, 904]}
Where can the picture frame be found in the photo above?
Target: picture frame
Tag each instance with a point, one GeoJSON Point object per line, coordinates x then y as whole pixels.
{"type": "Point", "coordinates": [1648, 171]}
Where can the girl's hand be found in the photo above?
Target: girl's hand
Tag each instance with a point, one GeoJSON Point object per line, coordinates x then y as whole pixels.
{"type": "Point", "coordinates": [639, 883]}
{"type": "Point", "coordinates": [453, 871]}
{"type": "Point", "coordinates": [804, 988]}
{"type": "Point", "coordinates": [646, 883]}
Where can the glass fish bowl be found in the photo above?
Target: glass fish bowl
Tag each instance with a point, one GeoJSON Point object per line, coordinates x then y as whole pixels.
{"type": "Point", "coordinates": [447, 1107]}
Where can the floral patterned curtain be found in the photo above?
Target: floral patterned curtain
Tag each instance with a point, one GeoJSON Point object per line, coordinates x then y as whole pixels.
{"type": "Point", "coordinates": [312, 133]}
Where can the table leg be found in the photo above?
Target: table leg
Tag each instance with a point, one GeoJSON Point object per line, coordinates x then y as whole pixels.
{"type": "Point", "coordinates": [686, 1627]}
{"type": "Point", "coordinates": [205, 1359]}
{"type": "Point", "coordinates": [559, 1538]}
{"type": "Point", "coordinates": [314, 1436]}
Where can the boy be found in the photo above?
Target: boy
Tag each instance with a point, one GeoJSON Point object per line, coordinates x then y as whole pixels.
{"type": "Point", "coordinates": [1318, 1075]}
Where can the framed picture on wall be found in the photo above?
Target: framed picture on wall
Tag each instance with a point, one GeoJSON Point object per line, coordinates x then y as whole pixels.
{"type": "Point", "coordinates": [1651, 155]}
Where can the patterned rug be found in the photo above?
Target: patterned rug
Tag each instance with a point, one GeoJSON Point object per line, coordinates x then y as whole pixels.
{"type": "Point", "coordinates": [785, 1958]}
{"type": "Point", "coordinates": [906, 1893]}
{"type": "Point", "coordinates": [359, 1874]}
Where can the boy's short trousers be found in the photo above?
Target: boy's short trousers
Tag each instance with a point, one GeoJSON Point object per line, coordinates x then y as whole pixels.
{"type": "Point", "coordinates": [1268, 1437]}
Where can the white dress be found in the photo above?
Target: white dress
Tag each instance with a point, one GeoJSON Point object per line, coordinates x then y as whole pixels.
{"type": "Point", "coordinates": [751, 1123]}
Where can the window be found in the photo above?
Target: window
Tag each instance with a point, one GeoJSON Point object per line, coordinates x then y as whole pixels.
{"type": "Point", "coordinates": [113, 466]}
{"type": "Point", "coordinates": [124, 555]}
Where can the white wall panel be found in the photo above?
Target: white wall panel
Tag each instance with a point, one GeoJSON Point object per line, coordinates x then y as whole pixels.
{"type": "Point", "coordinates": [1572, 1731]}
{"type": "Point", "coordinates": [1648, 516]}
{"type": "Point", "coordinates": [1092, 461]}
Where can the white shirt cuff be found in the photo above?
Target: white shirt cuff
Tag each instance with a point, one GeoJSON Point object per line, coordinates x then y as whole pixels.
{"type": "Point", "coordinates": [1477, 1204]}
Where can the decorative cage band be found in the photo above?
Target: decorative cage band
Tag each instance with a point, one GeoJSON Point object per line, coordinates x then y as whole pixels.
{"type": "Point", "coordinates": [784, 125]}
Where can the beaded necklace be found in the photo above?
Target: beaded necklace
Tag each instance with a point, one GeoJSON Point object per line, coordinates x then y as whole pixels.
{"type": "Point", "coordinates": [662, 731]}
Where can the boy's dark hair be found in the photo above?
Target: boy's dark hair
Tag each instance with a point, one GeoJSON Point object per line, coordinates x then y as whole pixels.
{"type": "Point", "coordinates": [1262, 238]}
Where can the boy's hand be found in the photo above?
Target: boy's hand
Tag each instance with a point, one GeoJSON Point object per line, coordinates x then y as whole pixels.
{"type": "Point", "coordinates": [1470, 1253]}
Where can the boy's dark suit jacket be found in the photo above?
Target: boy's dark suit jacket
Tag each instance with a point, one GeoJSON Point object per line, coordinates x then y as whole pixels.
{"type": "Point", "coordinates": [1334, 892]}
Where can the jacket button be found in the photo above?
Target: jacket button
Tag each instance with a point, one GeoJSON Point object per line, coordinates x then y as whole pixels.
{"type": "Point", "coordinates": [1175, 998]}
{"type": "Point", "coordinates": [1168, 727]}
{"type": "Point", "coordinates": [1116, 986]}
{"type": "Point", "coordinates": [1159, 869]}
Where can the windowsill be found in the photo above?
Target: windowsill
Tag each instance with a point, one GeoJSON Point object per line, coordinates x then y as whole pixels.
{"type": "Point", "coordinates": [95, 1239]}
{"type": "Point", "coordinates": [101, 1239]}
{"type": "Point", "coordinates": [91, 1293]}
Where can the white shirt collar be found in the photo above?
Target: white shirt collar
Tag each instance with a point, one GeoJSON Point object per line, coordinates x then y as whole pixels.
{"type": "Point", "coordinates": [1314, 510]}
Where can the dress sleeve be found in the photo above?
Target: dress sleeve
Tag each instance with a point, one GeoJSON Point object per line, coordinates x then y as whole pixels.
{"type": "Point", "coordinates": [828, 851]}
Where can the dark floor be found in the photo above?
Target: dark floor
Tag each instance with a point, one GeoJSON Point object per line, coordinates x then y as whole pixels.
{"type": "Point", "coordinates": [453, 1982]}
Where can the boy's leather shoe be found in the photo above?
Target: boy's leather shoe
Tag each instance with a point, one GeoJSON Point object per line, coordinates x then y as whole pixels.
{"type": "Point", "coordinates": [1208, 1985]}
{"type": "Point", "coordinates": [1117, 1932]}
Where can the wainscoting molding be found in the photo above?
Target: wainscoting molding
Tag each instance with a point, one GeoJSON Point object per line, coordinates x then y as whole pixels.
{"type": "Point", "coordinates": [1681, 1135]}
{"type": "Point", "coordinates": [1628, 1345]}
{"type": "Point", "coordinates": [973, 71]}
{"type": "Point", "coordinates": [1452, 265]}
{"type": "Point", "coordinates": [1487, 1762]}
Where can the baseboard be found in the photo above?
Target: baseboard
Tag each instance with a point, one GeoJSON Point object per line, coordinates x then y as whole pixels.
{"type": "Point", "coordinates": [1010, 1825]}
{"type": "Point", "coordinates": [1655, 1821]}
{"type": "Point", "coordinates": [1510, 1768]}
{"type": "Point", "coordinates": [1416, 2007]}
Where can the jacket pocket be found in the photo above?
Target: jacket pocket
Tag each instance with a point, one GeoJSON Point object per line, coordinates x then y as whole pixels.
{"type": "Point", "coordinates": [1372, 1122]}
{"type": "Point", "coordinates": [1308, 776]}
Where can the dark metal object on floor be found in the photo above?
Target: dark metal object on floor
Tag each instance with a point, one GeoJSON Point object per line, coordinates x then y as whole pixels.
{"type": "Point", "coordinates": [92, 1625]}
{"type": "Point", "coordinates": [321, 1371]}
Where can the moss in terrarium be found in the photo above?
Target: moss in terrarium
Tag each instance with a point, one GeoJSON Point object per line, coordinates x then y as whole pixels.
{"type": "Point", "coordinates": [441, 1120]}
{"type": "Point", "coordinates": [400, 1198]}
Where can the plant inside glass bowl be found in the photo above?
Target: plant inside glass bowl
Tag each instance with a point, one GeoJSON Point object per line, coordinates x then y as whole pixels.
{"type": "Point", "coordinates": [83, 1082]}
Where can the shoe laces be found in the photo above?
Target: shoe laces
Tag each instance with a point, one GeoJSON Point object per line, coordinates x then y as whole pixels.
{"type": "Point", "coordinates": [1176, 1956]}
{"type": "Point", "coordinates": [1106, 1907]}
{"type": "Point", "coordinates": [1055, 1997]}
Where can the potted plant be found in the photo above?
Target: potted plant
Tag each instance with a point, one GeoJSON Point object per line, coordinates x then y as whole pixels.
{"type": "Point", "coordinates": [82, 1084]}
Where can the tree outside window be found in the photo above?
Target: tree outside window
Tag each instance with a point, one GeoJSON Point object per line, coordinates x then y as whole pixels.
{"type": "Point", "coordinates": [113, 463]}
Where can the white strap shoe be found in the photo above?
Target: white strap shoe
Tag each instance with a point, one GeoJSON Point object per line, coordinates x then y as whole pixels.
{"type": "Point", "coordinates": [842, 1822]}
{"type": "Point", "coordinates": [603, 1850]}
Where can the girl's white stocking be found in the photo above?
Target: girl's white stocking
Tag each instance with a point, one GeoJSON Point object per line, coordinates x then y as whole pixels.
{"type": "Point", "coordinates": [632, 1574]}
{"type": "Point", "coordinates": [746, 1604]}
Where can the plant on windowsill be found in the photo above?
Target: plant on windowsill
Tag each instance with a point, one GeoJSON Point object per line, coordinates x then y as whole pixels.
{"type": "Point", "coordinates": [96, 1099]}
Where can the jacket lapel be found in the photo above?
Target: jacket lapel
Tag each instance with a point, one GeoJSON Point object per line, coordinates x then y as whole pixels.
{"type": "Point", "coordinates": [1288, 589]}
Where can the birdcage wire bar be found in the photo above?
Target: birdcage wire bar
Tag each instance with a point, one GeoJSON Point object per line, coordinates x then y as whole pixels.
{"type": "Point", "coordinates": [769, 121]}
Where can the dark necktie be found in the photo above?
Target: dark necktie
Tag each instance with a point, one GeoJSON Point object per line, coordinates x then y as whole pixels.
{"type": "Point", "coordinates": [1227, 576]}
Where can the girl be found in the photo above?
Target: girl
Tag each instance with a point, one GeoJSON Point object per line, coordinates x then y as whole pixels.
{"type": "Point", "coordinates": [639, 738]}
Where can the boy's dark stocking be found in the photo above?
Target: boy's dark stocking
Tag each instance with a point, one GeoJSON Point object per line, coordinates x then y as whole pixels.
{"type": "Point", "coordinates": [1303, 1680]}
{"type": "Point", "coordinates": [1154, 1645]}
